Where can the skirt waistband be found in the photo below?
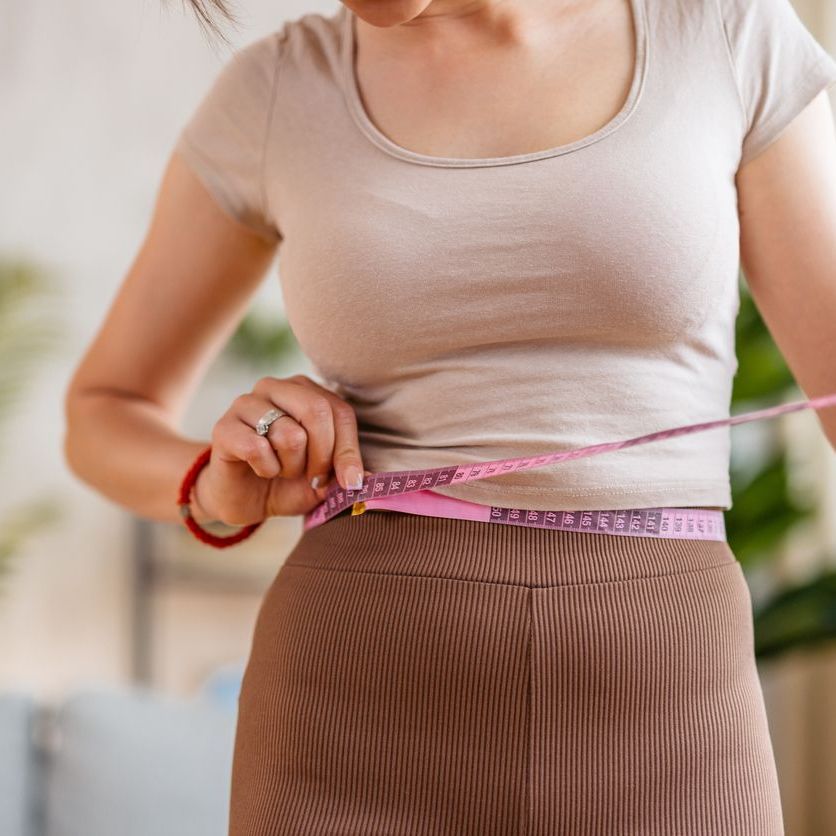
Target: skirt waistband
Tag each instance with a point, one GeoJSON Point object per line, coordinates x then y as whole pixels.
{"type": "Point", "coordinates": [392, 542]}
{"type": "Point", "coordinates": [682, 523]}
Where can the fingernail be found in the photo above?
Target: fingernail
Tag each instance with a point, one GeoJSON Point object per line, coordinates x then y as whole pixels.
{"type": "Point", "coordinates": [315, 482]}
{"type": "Point", "coordinates": [353, 477]}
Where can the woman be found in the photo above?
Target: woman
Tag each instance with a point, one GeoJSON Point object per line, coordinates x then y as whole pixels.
{"type": "Point", "coordinates": [504, 228]}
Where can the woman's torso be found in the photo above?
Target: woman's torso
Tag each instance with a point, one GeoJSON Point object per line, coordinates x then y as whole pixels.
{"type": "Point", "coordinates": [490, 100]}
{"type": "Point", "coordinates": [473, 309]}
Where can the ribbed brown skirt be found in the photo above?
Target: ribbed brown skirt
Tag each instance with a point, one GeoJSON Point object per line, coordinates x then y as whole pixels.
{"type": "Point", "coordinates": [423, 675]}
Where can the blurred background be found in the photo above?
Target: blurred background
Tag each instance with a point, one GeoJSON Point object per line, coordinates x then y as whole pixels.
{"type": "Point", "coordinates": [122, 641]}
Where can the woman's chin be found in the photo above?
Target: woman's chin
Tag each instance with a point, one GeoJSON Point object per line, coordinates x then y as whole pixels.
{"type": "Point", "coordinates": [386, 13]}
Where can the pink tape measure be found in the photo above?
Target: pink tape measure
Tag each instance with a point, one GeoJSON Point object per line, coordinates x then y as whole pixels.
{"type": "Point", "coordinates": [411, 491]}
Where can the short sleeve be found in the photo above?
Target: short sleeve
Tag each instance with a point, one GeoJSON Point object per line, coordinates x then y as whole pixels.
{"type": "Point", "coordinates": [780, 67]}
{"type": "Point", "coordinates": [224, 139]}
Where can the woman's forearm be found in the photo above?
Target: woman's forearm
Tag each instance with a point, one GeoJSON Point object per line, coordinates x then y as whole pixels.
{"type": "Point", "coordinates": [128, 450]}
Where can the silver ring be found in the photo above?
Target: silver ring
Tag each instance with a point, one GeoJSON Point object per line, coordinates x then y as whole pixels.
{"type": "Point", "coordinates": [263, 425]}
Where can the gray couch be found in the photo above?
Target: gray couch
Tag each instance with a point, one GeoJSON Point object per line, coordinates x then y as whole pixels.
{"type": "Point", "coordinates": [115, 763]}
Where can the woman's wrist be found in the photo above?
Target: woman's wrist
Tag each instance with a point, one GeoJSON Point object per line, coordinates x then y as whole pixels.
{"type": "Point", "coordinates": [199, 511]}
{"type": "Point", "coordinates": [195, 516]}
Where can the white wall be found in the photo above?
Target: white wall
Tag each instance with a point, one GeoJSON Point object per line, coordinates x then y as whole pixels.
{"type": "Point", "coordinates": [92, 94]}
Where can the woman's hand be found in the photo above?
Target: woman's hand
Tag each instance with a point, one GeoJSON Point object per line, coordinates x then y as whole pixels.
{"type": "Point", "coordinates": [251, 477]}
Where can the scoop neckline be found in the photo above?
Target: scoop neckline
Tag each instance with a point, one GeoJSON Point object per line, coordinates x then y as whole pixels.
{"type": "Point", "coordinates": [375, 135]}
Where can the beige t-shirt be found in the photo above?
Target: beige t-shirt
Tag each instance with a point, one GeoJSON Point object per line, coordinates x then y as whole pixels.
{"type": "Point", "coordinates": [478, 309]}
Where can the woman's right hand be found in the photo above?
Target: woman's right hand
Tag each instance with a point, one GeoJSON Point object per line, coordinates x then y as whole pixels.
{"type": "Point", "coordinates": [251, 477]}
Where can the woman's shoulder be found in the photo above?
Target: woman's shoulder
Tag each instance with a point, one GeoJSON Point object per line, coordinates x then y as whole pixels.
{"type": "Point", "coordinates": [226, 137]}
{"type": "Point", "coordinates": [778, 64]}
{"type": "Point", "coordinates": [309, 42]}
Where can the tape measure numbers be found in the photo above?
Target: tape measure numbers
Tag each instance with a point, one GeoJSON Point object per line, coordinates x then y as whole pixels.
{"type": "Point", "coordinates": [390, 489]}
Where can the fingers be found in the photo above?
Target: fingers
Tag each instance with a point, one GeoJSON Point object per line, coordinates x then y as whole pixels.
{"type": "Point", "coordinates": [234, 440]}
{"type": "Point", "coordinates": [313, 415]}
{"type": "Point", "coordinates": [347, 461]}
{"type": "Point", "coordinates": [318, 433]}
{"type": "Point", "coordinates": [283, 451]}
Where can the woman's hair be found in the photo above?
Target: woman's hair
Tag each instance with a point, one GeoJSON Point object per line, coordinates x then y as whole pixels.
{"type": "Point", "coordinates": [206, 11]}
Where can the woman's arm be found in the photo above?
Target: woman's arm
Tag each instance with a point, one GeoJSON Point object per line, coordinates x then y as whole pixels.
{"type": "Point", "coordinates": [787, 209]}
{"type": "Point", "coordinates": [182, 298]}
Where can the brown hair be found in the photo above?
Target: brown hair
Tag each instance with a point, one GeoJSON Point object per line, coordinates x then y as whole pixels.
{"type": "Point", "coordinates": [206, 10]}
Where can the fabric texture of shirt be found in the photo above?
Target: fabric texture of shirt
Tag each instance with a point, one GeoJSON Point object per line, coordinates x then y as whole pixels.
{"type": "Point", "coordinates": [479, 309]}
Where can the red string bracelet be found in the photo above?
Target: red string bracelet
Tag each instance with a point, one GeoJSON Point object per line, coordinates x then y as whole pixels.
{"type": "Point", "coordinates": [184, 498]}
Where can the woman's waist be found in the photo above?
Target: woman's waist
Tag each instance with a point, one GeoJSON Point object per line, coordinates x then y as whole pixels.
{"type": "Point", "coordinates": [666, 522]}
{"type": "Point", "coordinates": [380, 542]}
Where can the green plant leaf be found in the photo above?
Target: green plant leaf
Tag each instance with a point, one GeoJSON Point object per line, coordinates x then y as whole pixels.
{"type": "Point", "coordinates": [30, 328]}
{"type": "Point", "coordinates": [765, 510]}
{"type": "Point", "coordinates": [798, 616]}
{"type": "Point", "coordinates": [26, 519]}
{"type": "Point", "coordinates": [260, 343]}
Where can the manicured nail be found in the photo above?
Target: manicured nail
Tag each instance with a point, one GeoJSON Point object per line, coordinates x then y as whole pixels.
{"type": "Point", "coordinates": [315, 482]}
{"type": "Point", "coordinates": [353, 477]}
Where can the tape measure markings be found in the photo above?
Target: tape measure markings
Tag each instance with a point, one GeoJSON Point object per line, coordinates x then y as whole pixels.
{"type": "Point", "coordinates": [397, 483]}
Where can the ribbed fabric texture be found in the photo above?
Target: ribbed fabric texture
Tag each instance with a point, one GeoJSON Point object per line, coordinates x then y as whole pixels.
{"type": "Point", "coordinates": [424, 675]}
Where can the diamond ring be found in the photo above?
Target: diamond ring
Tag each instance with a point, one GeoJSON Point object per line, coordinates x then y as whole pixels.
{"type": "Point", "coordinates": [263, 425]}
